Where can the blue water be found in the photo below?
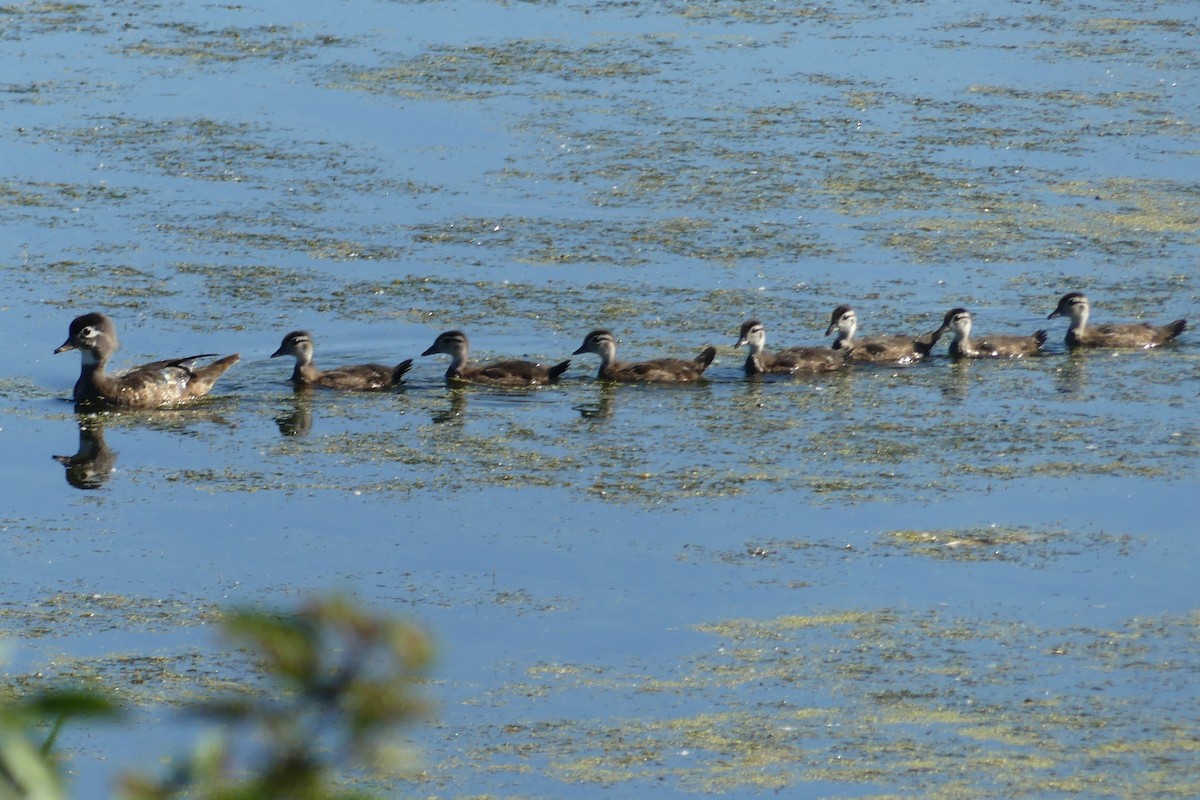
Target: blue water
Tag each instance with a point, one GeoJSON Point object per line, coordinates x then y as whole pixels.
{"type": "Point", "coordinates": [213, 177]}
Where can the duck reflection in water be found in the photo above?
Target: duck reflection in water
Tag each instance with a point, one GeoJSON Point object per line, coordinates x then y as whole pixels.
{"type": "Point", "coordinates": [95, 461]}
{"type": "Point", "coordinates": [605, 405]}
{"type": "Point", "coordinates": [457, 411]}
{"type": "Point", "coordinates": [1071, 375]}
{"type": "Point", "coordinates": [295, 418]}
{"type": "Point", "coordinates": [955, 383]}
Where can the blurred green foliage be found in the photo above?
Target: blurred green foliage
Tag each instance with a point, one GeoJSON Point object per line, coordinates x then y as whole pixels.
{"type": "Point", "coordinates": [339, 683]}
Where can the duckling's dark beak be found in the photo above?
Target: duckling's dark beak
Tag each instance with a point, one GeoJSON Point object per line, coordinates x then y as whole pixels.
{"type": "Point", "coordinates": [64, 347]}
{"type": "Point", "coordinates": [580, 351]}
{"type": "Point", "coordinates": [279, 352]}
{"type": "Point", "coordinates": [739, 343]}
{"type": "Point", "coordinates": [1055, 313]}
{"type": "Point", "coordinates": [830, 329]}
{"type": "Point", "coordinates": [430, 351]}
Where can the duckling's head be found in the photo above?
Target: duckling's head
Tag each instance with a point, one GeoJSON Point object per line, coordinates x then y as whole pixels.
{"type": "Point", "coordinates": [298, 344]}
{"type": "Point", "coordinates": [844, 321]}
{"type": "Point", "coordinates": [754, 335]}
{"type": "Point", "coordinates": [451, 343]}
{"type": "Point", "coordinates": [1073, 305]}
{"type": "Point", "coordinates": [600, 342]}
{"type": "Point", "coordinates": [957, 320]}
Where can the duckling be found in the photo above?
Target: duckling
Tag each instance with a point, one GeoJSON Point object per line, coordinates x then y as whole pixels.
{"type": "Point", "coordinates": [355, 378]}
{"type": "Point", "coordinates": [877, 349]}
{"type": "Point", "coordinates": [662, 370]}
{"type": "Point", "coordinates": [958, 320]}
{"type": "Point", "coordinates": [160, 383]}
{"type": "Point", "coordinates": [498, 373]}
{"type": "Point", "coordinates": [790, 361]}
{"type": "Point", "coordinates": [1130, 334]}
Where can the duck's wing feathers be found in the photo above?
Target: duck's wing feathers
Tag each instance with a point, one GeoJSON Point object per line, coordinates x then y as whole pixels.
{"type": "Point", "coordinates": [661, 370]}
{"type": "Point", "coordinates": [165, 382]}
{"type": "Point", "coordinates": [900, 349]}
{"type": "Point", "coordinates": [184, 363]}
{"type": "Point", "coordinates": [514, 373]}
{"type": "Point", "coordinates": [804, 359]}
{"type": "Point", "coordinates": [364, 377]}
{"type": "Point", "coordinates": [1010, 346]}
{"type": "Point", "coordinates": [203, 378]}
{"type": "Point", "coordinates": [1133, 334]}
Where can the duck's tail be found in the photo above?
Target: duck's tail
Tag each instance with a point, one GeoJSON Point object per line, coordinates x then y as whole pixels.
{"type": "Point", "coordinates": [558, 369]}
{"type": "Point", "coordinates": [706, 357]}
{"type": "Point", "coordinates": [401, 369]}
{"type": "Point", "coordinates": [204, 377]}
{"type": "Point", "coordinates": [925, 343]}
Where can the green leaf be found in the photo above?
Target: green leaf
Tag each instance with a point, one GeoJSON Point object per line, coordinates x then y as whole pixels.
{"type": "Point", "coordinates": [69, 703]}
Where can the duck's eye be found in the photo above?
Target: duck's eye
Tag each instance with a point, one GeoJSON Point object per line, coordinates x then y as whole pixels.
{"type": "Point", "coordinates": [87, 333]}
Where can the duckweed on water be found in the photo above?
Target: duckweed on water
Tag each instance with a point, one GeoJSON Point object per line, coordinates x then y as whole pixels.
{"type": "Point", "coordinates": [46, 17]}
{"type": "Point", "coordinates": [478, 72]}
{"type": "Point", "coordinates": [996, 543]}
{"type": "Point", "coordinates": [66, 614]}
{"type": "Point", "coordinates": [775, 195]}
{"type": "Point", "coordinates": [823, 440]}
{"type": "Point", "coordinates": [806, 699]}
{"type": "Point", "coordinates": [216, 46]}
{"type": "Point", "coordinates": [141, 680]}
{"type": "Point", "coordinates": [200, 148]}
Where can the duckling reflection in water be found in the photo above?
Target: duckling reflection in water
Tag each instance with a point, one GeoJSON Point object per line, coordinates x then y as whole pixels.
{"type": "Point", "coordinates": [605, 405]}
{"type": "Point", "coordinates": [296, 418]}
{"type": "Point", "coordinates": [457, 410]}
{"type": "Point", "coordinates": [1140, 335]}
{"type": "Point", "coordinates": [94, 462]}
{"type": "Point", "coordinates": [158, 384]}
{"type": "Point", "coordinates": [661, 370]}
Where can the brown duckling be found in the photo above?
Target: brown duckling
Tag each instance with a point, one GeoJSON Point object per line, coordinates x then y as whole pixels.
{"type": "Point", "coordinates": [876, 349]}
{"type": "Point", "coordinates": [958, 320]}
{"type": "Point", "coordinates": [154, 385]}
{"type": "Point", "coordinates": [1131, 334]}
{"type": "Point", "coordinates": [662, 370]}
{"type": "Point", "coordinates": [352, 378]}
{"type": "Point", "coordinates": [791, 361]}
{"type": "Point", "coordinates": [497, 373]}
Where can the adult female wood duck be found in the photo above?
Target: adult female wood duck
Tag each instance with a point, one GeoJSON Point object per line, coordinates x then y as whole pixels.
{"type": "Point", "coordinates": [497, 373]}
{"type": "Point", "coordinates": [792, 361]}
{"type": "Point", "coordinates": [1130, 334]}
{"type": "Point", "coordinates": [877, 349]}
{"type": "Point", "coordinates": [662, 370]}
{"type": "Point", "coordinates": [354, 377]}
{"type": "Point", "coordinates": [154, 385]}
{"type": "Point", "coordinates": [958, 321]}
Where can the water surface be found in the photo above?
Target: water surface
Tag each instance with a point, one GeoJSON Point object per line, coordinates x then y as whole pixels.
{"type": "Point", "coordinates": [968, 580]}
